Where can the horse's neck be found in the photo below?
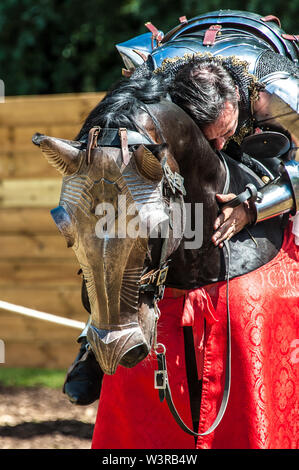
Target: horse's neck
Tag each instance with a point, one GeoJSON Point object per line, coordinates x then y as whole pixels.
{"type": "Point", "coordinates": [197, 261]}
{"type": "Point", "coordinates": [207, 177]}
{"type": "Point", "coordinates": [251, 249]}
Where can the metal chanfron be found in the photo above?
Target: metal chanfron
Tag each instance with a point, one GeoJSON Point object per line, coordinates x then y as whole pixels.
{"type": "Point", "coordinates": [108, 211]}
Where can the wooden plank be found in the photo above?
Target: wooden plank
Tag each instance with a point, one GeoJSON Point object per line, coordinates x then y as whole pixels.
{"type": "Point", "coordinates": [25, 163]}
{"type": "Point", "coordinates": [20, 137]}
{"type": "Point", "coordinates": [44, 192]}
{"type": "Point", "coordinates": [14, 326]}
{"type": "Point", "coordinates": [50, 353]}
{"type": "Point", "coordinates": [48, 109]}
{"type": "Point", "coordinates": [61, 300]}
{"type": "Point", "coordinates": [66, 131]}
{"type": "Point", "coordinates": [31, 246]}
{"type": "Point", "coordinates": [25, 160]}
{"type": "Point", "coordinates": [28, 273]}
{"type": "Point", "coordinates": [27, 221]}
{"type": "Point", "coordinates": [5, 135]}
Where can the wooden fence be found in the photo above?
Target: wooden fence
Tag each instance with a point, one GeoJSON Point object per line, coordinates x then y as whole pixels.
{"type": "Point", "coordinates": [36, 268]}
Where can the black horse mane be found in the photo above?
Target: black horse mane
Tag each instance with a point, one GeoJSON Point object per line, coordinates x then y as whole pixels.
{"type": "Point", "coordinates": [129, 96]}
{"type": "Point", "coordinates": [121, 104]}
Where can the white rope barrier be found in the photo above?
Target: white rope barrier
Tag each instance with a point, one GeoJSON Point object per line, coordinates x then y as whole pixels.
{"type": "Point", "coordinates": [41, 315]}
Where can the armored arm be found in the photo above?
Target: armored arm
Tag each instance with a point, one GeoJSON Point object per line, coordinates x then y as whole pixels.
{"type": "Point", "coordinates": [280, 195]}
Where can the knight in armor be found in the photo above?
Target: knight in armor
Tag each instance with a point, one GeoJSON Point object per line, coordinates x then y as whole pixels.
{"type": "Point", "coordinates": [238, 115]}
{"type": "Point", "coordinates": [236, 74]}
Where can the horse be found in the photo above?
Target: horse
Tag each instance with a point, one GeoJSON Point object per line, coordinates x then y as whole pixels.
{"type": "Point", "coordinates": [138, 143]}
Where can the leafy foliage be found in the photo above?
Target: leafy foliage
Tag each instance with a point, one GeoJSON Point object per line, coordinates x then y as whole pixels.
{"type": "Point", "coordinates": [61, 46]}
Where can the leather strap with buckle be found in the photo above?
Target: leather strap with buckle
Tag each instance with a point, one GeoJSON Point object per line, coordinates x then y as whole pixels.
{"type": "Point", "coordinates": [291, 37]}
{"type": "Point", "coordinates": [92, 142]}
{"type": "Point", "coordinates": [109, 137]}
{"type": "Point", "coordinates": [175, 180]}
{"type": "Point", "coordinates": [155, 277]}
{"type": "Point", "coordinates": [161, 375]}
{"type": "Point", "coordinates": [210, 35]}
{"type": "Point", "coordinates": [156, 35]}
{"type": "Point", "coordinates": [273, 18]}
{"type": "Point", "coordinates": [124, 145]}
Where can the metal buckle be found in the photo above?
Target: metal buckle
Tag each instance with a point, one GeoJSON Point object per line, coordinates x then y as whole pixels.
{"type": "Point", "coordinates": [169, 176]}
{"type": "Point", "coordinates": [179, 183]}
{"type": "Point", "coordinates": [174, 180]}
{"type": "Point", "coordinates": [160, 379]}
{"type": "Point", "coordinates": [162, 276]}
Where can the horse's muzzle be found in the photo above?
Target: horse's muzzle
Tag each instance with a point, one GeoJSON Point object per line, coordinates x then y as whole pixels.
{"type": "Point", "coordinates": [126, 346]}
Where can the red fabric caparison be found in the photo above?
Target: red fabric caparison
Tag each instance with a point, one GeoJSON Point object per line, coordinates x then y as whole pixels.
{"type": "Point", "coordinates": [262, 412]}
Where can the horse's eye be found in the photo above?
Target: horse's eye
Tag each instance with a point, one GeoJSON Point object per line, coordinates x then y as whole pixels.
{"type": "Point", "coordinates": [64, 224]}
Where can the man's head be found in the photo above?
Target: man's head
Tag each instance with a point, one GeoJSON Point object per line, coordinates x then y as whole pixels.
{"type": "Point", "coordinates": [206, 91]}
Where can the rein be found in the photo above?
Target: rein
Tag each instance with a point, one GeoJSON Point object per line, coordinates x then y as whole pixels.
{"type": "Point", "coordinates": [161, 375]}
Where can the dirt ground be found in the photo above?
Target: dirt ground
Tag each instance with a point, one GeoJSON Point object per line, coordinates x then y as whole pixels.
{"type": "Point", "coordinates": [42, 418]}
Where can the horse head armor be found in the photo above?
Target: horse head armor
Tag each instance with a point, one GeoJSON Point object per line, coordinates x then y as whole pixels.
{"type": "Point", "coordinates": [115, 210]}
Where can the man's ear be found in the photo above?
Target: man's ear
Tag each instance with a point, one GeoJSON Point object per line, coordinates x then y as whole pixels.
{"type": "Point", "coordinates": [237, 92]}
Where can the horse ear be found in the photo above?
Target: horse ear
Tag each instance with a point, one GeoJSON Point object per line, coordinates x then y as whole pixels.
{"type": "Point", "coordinates": [59, 153]}
{"type": "Point", "coordinates": [148, 164]}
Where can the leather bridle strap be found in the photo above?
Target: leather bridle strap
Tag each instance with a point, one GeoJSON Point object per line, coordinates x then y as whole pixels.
{"type": "Point", "coordinates": [124, 145]}
{"type": "Point", "coordinates": [250, 192]}
{"type": "Point", "coordinates": [161, 375]}
{"type": "Point", "coordinates": [92, 142]}
{"type": "Point", "coordinates": [227, 174]}
{"type": "Point", "coordinates": [110, 137]}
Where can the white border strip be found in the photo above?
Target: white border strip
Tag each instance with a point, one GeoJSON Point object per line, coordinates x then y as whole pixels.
{"type": "Point", "coordinates": [41, 315]}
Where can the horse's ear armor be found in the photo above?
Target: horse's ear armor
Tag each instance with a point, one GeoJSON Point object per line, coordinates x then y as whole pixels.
{"type": "Point", "coordinates": [59, 153]}
{"type": "Point", "coordinates": [147, 164]}
{"type": "Point", "coordinates": [64, 223]}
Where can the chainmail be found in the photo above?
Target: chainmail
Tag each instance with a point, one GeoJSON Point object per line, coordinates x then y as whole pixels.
{"type": "Point", "coordinates": [144, 70]}
{"type": "Point", "coordinates": [270, 62]}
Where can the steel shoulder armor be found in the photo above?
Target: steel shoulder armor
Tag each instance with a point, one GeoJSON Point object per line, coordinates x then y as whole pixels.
{"type": "Point", "coordinates": [284, 85]}
{"type": "Point", "coordinates": [245, 35]}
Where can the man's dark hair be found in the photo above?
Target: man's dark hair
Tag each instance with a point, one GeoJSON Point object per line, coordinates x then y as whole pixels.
{"type": "Point", "coordinates": [201, 87]}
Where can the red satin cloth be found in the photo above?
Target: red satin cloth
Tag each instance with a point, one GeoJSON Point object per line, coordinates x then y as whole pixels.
{"type": "Point", "coordinates": [262, 412]}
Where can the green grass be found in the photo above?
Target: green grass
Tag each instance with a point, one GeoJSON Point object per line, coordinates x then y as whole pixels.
{"type": "Point", "coordinates": [27, 377]}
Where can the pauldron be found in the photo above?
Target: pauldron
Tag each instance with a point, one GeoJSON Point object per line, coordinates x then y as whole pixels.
{"type": "Point", "coordinates": [225, 32]}
{"type": "Point", "coordinates": [253, 48]}
{"type": "Point", "coordinates": [260, 55]}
